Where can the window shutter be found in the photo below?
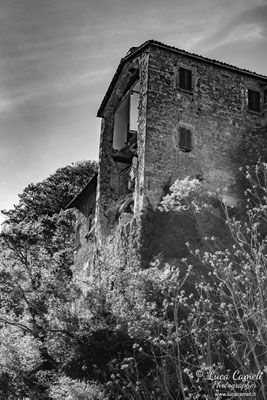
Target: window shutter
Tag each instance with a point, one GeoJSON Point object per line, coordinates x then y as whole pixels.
{"type": "Point", "coordinates": [185, 79]}
{"type": "Point", "coordinates": [182, 138]}
{"type": "Point", "coordinates": [176, 77]}
{"type": "Point", "coordinates": [254, 100]}
{"type": "Point", "coordinates": [188, 140]}
{"type": "Point", "coordinates": [182, 78]}
{"type": "Point", "coordinates": [185, 139]}
{"type": "Point", "coordinates": [188, 79]}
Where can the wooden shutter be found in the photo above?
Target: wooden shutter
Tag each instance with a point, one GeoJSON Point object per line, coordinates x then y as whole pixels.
{"type": "Point", "coordinates": [254, 100]}
{"type": "Point", "coordinates": [188, 140]}
{"type": "Point", "coordinates": [185, 79]}
{"type": "Point", "coordinates": [176, 76]}
{"type": "Point", "coordinates": [188, 79]}
{"type": "Point", "coordinates": [182, 78]}
{"type": "Point", "coordinates": [185, 139]}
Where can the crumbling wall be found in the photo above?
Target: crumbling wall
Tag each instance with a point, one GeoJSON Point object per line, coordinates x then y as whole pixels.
{"type": "Point", "coordinates": [112, 184]}
{"type": "Point", "coordinates": [216, 115]}
{"type": "Point", "coordinates": [121, 248]}
{"type": "Point", "coordinates": [84, 246]}
{"type": "Point", "coordinates": [84, 234]}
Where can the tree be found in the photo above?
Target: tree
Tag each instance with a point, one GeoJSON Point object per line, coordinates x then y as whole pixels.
{"type": "Point", "coordinates": [162, 332]}
{"type": "Point", "coordinates": [37, 294]}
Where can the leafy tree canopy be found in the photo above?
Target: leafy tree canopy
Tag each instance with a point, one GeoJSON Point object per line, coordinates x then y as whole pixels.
{"type": "Point", "coordinates": [37, 294]}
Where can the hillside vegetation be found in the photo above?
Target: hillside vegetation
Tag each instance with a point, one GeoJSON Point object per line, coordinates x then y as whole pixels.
{"type": "Point", "coordinates": [184, 329]}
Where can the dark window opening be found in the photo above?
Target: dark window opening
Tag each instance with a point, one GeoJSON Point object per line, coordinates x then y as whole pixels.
{"type": "Point", "coordinates": [185, 79]}
{"type": "Point", "coordinates": [78, 236]}
{"type": "Point", "coordinates": [265, 97]}
{"type": "Point", "coordinates": [254, 100]}
{"type": "Point", "coordinates": [185, 139]}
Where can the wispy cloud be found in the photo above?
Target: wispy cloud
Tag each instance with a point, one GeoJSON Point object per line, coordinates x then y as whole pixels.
{"type": "Point", "coordinates": [5, 105]}
{"type": "Point", "coordinates": [52, 88]}
{"type": "Point", "coordinates": [243, 27]}
{"type": "Point", "coordinates": [56, 56]}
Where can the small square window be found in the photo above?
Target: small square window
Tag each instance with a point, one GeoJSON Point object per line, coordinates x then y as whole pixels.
{"type": "Point", "coordinates": [254, 100]}
{"type": "Point", "coordinates": [185, 79]}
{"type": "Point", "coordinates": [185, 139]}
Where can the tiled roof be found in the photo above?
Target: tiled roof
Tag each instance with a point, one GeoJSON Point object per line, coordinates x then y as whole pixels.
{"type": "Point", "coordinates": [136, 50]}
{"type": "Point", "coordinates": [209, 60]}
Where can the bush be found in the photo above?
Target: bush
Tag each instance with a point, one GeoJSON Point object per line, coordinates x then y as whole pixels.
{"type": "Point", "coordinates": [184, 335]}
{"type": "Point", "coordinates": [72, 389]}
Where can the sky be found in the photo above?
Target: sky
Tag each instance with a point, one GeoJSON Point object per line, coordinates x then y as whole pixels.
{"type": "Point", "coordinates": [57, 58]}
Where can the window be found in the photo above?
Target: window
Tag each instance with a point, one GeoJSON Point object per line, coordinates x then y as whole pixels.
{"type": "Point", "coordinates": [185, 79]}
{"type": "Point", "coordinates": [185, 139]}
{"type": "Point", "coordinates": [126, 127]}
{"type": "Point", "coordinates": [78, 236]}
{"type": "Point", "coordinates": [254, 100]}
{"type": "Point", "coordinates": [126, 117]}
{"type": "Point", "coordinates": [265, 97]}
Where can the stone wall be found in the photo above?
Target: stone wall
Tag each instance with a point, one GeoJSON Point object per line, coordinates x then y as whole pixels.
{"type": "Point", "coordinates": [110, 185]}
{"type": "Point", "coordinates": [215, 112]}
{"type": "Point", "coordinates": [84, 247]}
{"type": "Point", "coordinates": [85, 239]}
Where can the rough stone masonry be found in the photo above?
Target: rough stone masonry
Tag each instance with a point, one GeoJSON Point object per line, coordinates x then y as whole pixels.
{"type": "Point", "coordinates": [168, 114]}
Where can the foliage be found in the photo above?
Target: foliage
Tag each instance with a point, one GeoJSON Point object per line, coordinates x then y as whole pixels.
{"type": "Point", "coordinates": [19, 359]}
{"type": "Point", "coordinates": [160, 332]}
{"type": "Point", "coordinates": [185, 195]}
{"type": "Point", "coordinates": [48, 197]}
{"type": "Point", "coordinates": [38, 299]}
{"type": "Point", "coordinates": [184, 336]}
{"type": "Point", "coordinates": [70, 389]}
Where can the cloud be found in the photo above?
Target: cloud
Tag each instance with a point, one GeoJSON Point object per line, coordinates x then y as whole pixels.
{"type": "Point", "coordinates": [51, 88]}
{"type": "Point", "coordinates": [245, 27]}
{"type": "Point", "coordinates": [5, 105]}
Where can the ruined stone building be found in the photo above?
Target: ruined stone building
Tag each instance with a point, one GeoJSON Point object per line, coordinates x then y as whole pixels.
{"type": "Point", "coordinates": [167, 114]}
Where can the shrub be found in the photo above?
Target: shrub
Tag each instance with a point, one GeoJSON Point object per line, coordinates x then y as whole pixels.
{"type": "Point", "coordinates": [72, 389]}
{"type": "Point", "coordinates": [184, 336]}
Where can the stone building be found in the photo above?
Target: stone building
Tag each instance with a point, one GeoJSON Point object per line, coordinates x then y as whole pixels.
{"type": "Point", "coordinates": [167, 114]}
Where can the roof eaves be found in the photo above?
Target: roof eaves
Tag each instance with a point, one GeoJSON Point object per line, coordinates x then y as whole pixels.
{"type": "Point", "coordinates": [176, 50]}
{"type": "Point", "coordinates": [206, 59]}
{"type": "Point", "coordinates": [116, 76]}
